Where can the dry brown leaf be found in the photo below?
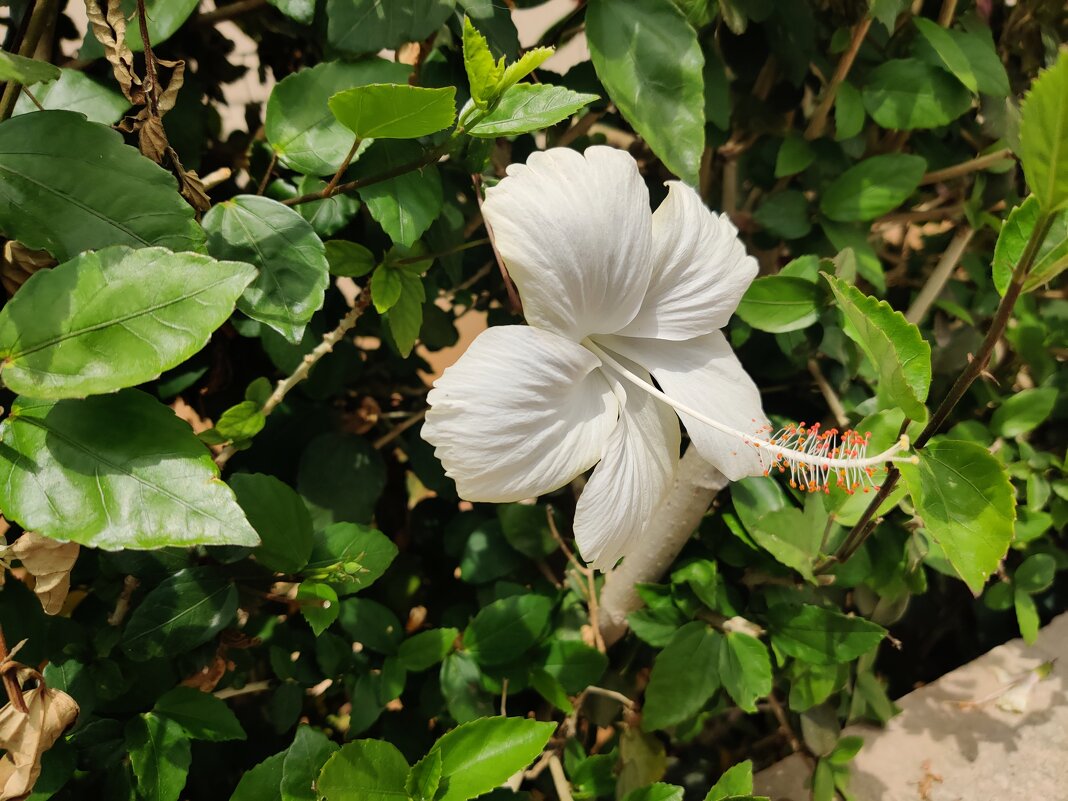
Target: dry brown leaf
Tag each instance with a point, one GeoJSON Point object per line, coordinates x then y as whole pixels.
{"type": "Point", "coordinates": [18, 263]}
{"type": "Point", "coordinates": [26, 735]}
{"type": "Point", "coordinates": [50, 563]}
{"type": "Point", "coordinates": [110, 30]}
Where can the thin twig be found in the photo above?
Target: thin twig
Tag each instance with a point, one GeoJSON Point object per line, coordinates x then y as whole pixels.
{"type": "Point", "coordinates": [122, 605]}
{"type": "Point", "coordinates": [967, 167]}
{"type": "Point", "coordinates": [604, 692]}
{"type": "Point", "coordinates": [10, 679]}
{"type": "Point", "coordinates": [26, 91]}
{"type": "Point", "coordinates": [331, 187]}
{"type": "Point", "coordinates": [43, 12]}
{"type": "Point", "coordinates": [819, 117]}
{"type": "Point", "coordinates": [428, 158]}
{"type": "Point", "coordinates": [829, 395]}
{"type": "Point", "coordinates": [784, 723]}
{"type": "Point", "coordinates": [248, 689]}
{"type": "Point", "coordinates": [230, 11]}
{"type": "Point", "coordinates": [267, 175]}
{"type": "Point", "coordinates": [563, 789]}
{"type": "Point", "coordinates": [151, 71]}
{"type": "Point", "coordinates": [938, 278]}
{"type": "Point", "coordinates": [592, 604]}
{"type": "Point", "coordinates": [399, 429]}
{"type": "Point", "coordinates": [580, 128]}
{"type": "Point", "coordinates": [474, 243]}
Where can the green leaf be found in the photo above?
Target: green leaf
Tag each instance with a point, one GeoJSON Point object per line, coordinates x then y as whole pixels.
{"type": "Point", "coordinates": [483, 754]}
{"type": "Point", "coordinates": [425, 778]}
{"type": "Point", "coordinates": [506, 628]}
{"type": "Point", "coordinates": [523, 66]}
{"type": "Point", "coordinates": [112, 319]}
{"type": "Point", "coordinates": [340, 477]}
{"type": "Point", "coordinates": [821, 636]}
{"type": "Point", "coordinates": [290, 256]}
{"type": "Point", "coordinates": [483, 73]}
{"type": "Point", "coordinates": [371, 624]}
{"type": "Point", "coordinates": [201, 715]}
{"type": "Point", "coordinates": [906, 94]}
{"type": "Point", "coordinates": [795, 155]}
{"type": "Point", "coordinates": [185, 610]}
{"type": "Point", "coordinates": [685, 675]}
{"type": "Point", "coordinates": [303, 761]}
{"type": "Point", "coordinates": [873, 187]}
{"type": "Point", "coordinates": [551, 690]}
{"type": "Point", "coordinates": [76, 91]}
{"type": "Point", "coordinates": [574, 664]}
{"type": "Point", "coordinates": [789, 535]}
{"type": "Point", "coordinates": [386, 287]}
{"type": "Point", "coordinates": [1052, 256]}
{"type": "Point", "coordinates": [894, 346]}
{"type": "Point", "coordinates": [279, 517]}
{"type": "Point", "coordinates": [529, 107]}
{"type": "Point", "coordinates": [785, 214]}
{"type": "Point", "coordinates": [328, 216]}
{"type": "Point", "coordinates": [351, 557]}
{"type": "Point", "coordinates": [427, 648]}
{"type": "Point", "coordinates": [160, 756]}
{"type": "Point", "coordinates": [780, 303]}
{"type": "Point", "coordinates": [302, 11]}
{"type": "Point", "coordinates": [847, 748]}
{"type": "Point", "coordinates": [967, 504]}
{"type": "Point", "coordinates": [238, 424]}
{"type": "Point", "coordinates": [20, 69]}
{"type": "Point", "coordinates": [404, 206]}
{"type": "Point", "coordinates": [1043, 147]}
{"type": "Point", "coordinates": [1026, 616]}
{"type": "Point", "coordinates": [744, 669]}
{"type": "Point", "coordinates": [261, 783]}
{"type": "Point", "coordinates": [369, 770]}
{"type": "Point", "coordinates": [736, 780]}
{"type": "Point", "coordinates": [405, 317]}
{"type": "Point", "coordinates": [1035, 574]}
{"type": "Point", "coordinates": [656, 792]}
{"type": "Point", "coordinates": [486, 554]}
{"type": "Point", "coordinates": [71, 185]}
{"type": "Point", "coordinates": [526, 528]}
{"type": "Point", "coordinates": [366, 26]}
{"type": "Point", "coordinates": [349, 258]}
{"type": "Point", "coordinates": [848, 111]}
{"type": "Point", "coordinates": [394, 111]}
{"type": "Point", "coordinates": [114, 471]}
{"type": "Point", "coordinates": [318, 605]}
{"type": "Point", "coordinates": [949, 51]}
{"type": "Point", "coordinates": [1023, 412]}
{"type": "Point", "coordinates": [299, 125]}
{"type": "Point", "coordinates": [649, 60]}
{"type": "Point", "coordinates": [461, 685]}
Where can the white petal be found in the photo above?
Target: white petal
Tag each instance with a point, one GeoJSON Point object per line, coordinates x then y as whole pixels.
{"type": "Point", "coordinates": [700, 270]}
{"type": "Point", "coordinates": [521, 413]}
{"type": "Point", "coordinates": [635, 472]}
{"type": "Point", "coordinates": [574, 232]}
{"type": "Point", "coordinates": [704, 374]}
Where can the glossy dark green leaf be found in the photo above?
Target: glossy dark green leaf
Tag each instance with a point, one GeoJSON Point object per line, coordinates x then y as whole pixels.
{"type": "Point", "coordinates": [736, 781]}
{"type": "Point", "coordinates": [291, 259]}
{"type": "Point", "coordinates": [303, 761]}
{"type": "Point", "coordinates": [261, 783]}
{"type": "Point", "coordinates": [394, 110]}
{"type": "Point", "coordinates": [201, 715]}
{"type": "Point", "coordinates": [405, 317]}
{"type": "Point", "coordinates": [329, 216]}
{"type": "Point", "coordinates": [967, 504]}
{"type": "Point", "coordinates": [112, 319]}
{"type": "Point", "coordinates": [298, 123]}
{"type": "Point", "coordinates": [656, 792]}
{"type": "Point", "coordinates": [68, 185]}
{"type": "Point", "coordinates": [483, 754]}
{"type": "Point", "coordinates": [404, 206]}
{"type": "Point", "coordinates": [685, 675]}
{"type": "Point", "coordinates": [744, 669]}
{"type": "Point", "coordinates": [504, 629]}
{"type": "Point", "coordinates": [160, 756]}
{"type": "Point", "coordinates": [183, 611]}
{"type": "Point", "coordinates": [949, 52]}
{"type": "Point", "coordinates": [349, 556]}
{"type": "Point", "coordinates": [369, 770]}
{"type": "Point", "coordinates": [366, 26]}
{"type": "Point", "coordinates": [574, 664]}
{"type": "Point", "coordinates": [873, 187]}
{"type": "Point", "coordinates": [425, 778]}
{"type": "Point", "coordinates": [115, 471]}
{"type": "Point", "coordinates": [780, 303]}
{"type": "Point", "coordinates": [371, 624]}
{"type": "Point", "coordinates": [528, 107]}
{"type": "Point", "coordinates": [649, 60]}
{"type": "Point", "coordinates": [318, 605]}
{"type": "Point", "coordinates": [461, 685]}
{"type": "Point", "coordinates": [427, 648]}
{"type": "Point", "coordinates": [821, 636]}
{"type": "Point", "coordinates": [349, 258]}
{"type": "Point", "coordinates": [280, 518]}
{"type": "Point", "coordinates": [1035, 574]}
{"type": "Point", "coordinates": [340, 477]}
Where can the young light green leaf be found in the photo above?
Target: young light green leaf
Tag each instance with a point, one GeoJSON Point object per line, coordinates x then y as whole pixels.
{"type": "Point", "coordinates": [1044, 136]}
{"type": "Point", "coordinates": [872, 187]}
{"type": "Point", "coordinates": [736, 780]}
{"type": "Point", "coordinates": [1052, 256]}
{"type": "Point", "coordinates": [160, 756]}
{"type": "Point", "coordinates": [482, 754]}
{"type": "Point", "coordinates": [521, 68]}
{"type": "Point", "coordinates": [349, 556]}
{"type": "Point", "coordinates": [112, 319]}
{"type": "Point", "coordinates": [894, 346]}
{"type": "Point", "coordinates": [685, 675]}
{"type": "Point", "coordinates": [656, 792]}
{"type": "Point", "coordinates": [1036, 573]}
{"type": "Point", "coordinates": [1023, 412]}
{"type": "Point", "coordinates": [290, 256]}
{"type": "Point", "coordinates": [650, 62]}
{"type": "Point", "coordinates": [394, 111]}
{"type": "Point", "coordinates": [821, 636]}
{"type": "Point", "coordinates": [780, 303]}
{"type": "Point", "coordinates": [20, 69]}
{"type": "Point", "coordinates": [118, 471]}
{"type": "Point", "coordinates": [100, 191]}
{"type": "Point", "coordinates": [387, 286]}
{"type": "Point", "coordinates": [425, 778]}
{"type": "Point", "coordinates": [967, 505]}
{"type": "Point", "coordinates": [280, 518]}
{"type": "Point", "coordinates": [405, 317]}
{"type": "Point", "coordinates": [530, 107]}
{"type": "Point", "coordinates": [201, 715]}
{"type": "Point", "coordinates": [369, 770]}
{"type": "Point", "coordinates": [1026, 616]}
{"type": "Point", "coordinates": [969, 55]}
{"type": "Point", "coordinates": [483, 73]}
{"type": "Point", "coordinates": [506, 628]}
{"type": "Point", "coordinates": [907, 94]}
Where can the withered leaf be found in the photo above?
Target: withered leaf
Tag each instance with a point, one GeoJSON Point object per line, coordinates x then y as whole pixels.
{"type": "Point", "coordinates": [109, 27]}
{"type": "Point", "coordinates": [50, 562]}
{"type": "Point", "coordinates": [27, 735]}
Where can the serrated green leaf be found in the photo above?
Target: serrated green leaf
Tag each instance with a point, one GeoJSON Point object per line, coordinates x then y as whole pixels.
{"type": "Point", "coordinates": [114, 471]}
{"type": "Point", "coordinates": [506, 628]}
{"type": "Point", "coordinates": [386, 288]}
{"type": "Point", "coordinates": [483, 73]}
{"type": "Point", "coordinates": [241, 422]}
{"type": "Point", "coordinates": [349, 258]}
{"type": "Point", "coordinates": [894, 346]}
{"type": "Point", "coordinates": [648, 58]}
{"type": "Point", "coordinates": [735, 781]}
{"type": "Point", "coordinates": [369, 770]}
{"type": "Point", "coordinates": [76, 91]}
{"type": "Point", "coordinates": [521, 68]}
{"type": "Point", "coordinates": [318, 605]}
{"type": "Point", "coordinates": [744, 669]}
{"type": "Point", "coordinates": [685, 675]}
{"type": "Point", "coordinates": [656, 792]}
{"type": "Point", "coordinates": [1052, 256]}
{"type": "Point", "coordinates": [303, 761]}
{"type": "Point", "coordinates": [949, 52]}
{"type": "Point", "coordinates": [821, 636]}
{"type": "Point", "coordinates": [112, 319]}
{"type": "Point", "coordinates": [872, 187]}
{"type": "Point", "coordinates": [351, 557]}
{"type": "Point", "coordinates": [425, 778]}
{"type": "Point", "coordinates": [907, 94]}
{"type": "Point", "coordinates": [530, 107]}
{"type": "Point", "coordinates": [404, 206]}
{"type": "Point", "coordinates": [290, 256]}
{"type": "Point", "coordinates": [427, 648]}
{"type": "Point", "coordinates": [394, 111]}
{"type": "Point", "coordinates": [261, 782]}
{"type": "Point", "coordinates": [1044, 136]}
{"type": "Point", "coordinates": [71, 185]}
{"type": "Point", "coordinates": [967, 504]}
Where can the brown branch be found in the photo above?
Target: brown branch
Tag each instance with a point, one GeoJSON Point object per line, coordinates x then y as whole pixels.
{"type": "Point", "coordinates": [43, 12]}
{"type": "Point", "coordinates": [966, 167]}
{"type": "Point", "coordinates": [151, 69]}
{"type": "Point", "coordinates": [10, 679]}
{"type": "Point", "coordinates": [819, 117]}
{"type": "Point", "coordinates": [331, 187]}
{"type": "Point", "coordinates": [938, 278]}
{"type": "Point", "coordinates": [223, 13]}
{"type": "Point", "coordinates": [399, 429]}
{"type": "Point", "coordinates": [428, 158]}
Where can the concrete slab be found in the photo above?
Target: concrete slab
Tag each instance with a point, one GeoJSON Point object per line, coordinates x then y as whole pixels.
{"type": "Point", "coordinates": [954, 741]}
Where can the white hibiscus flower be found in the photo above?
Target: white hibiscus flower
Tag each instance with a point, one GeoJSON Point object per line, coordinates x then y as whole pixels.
{"type": "Point", "coordinates": [612, 294]}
